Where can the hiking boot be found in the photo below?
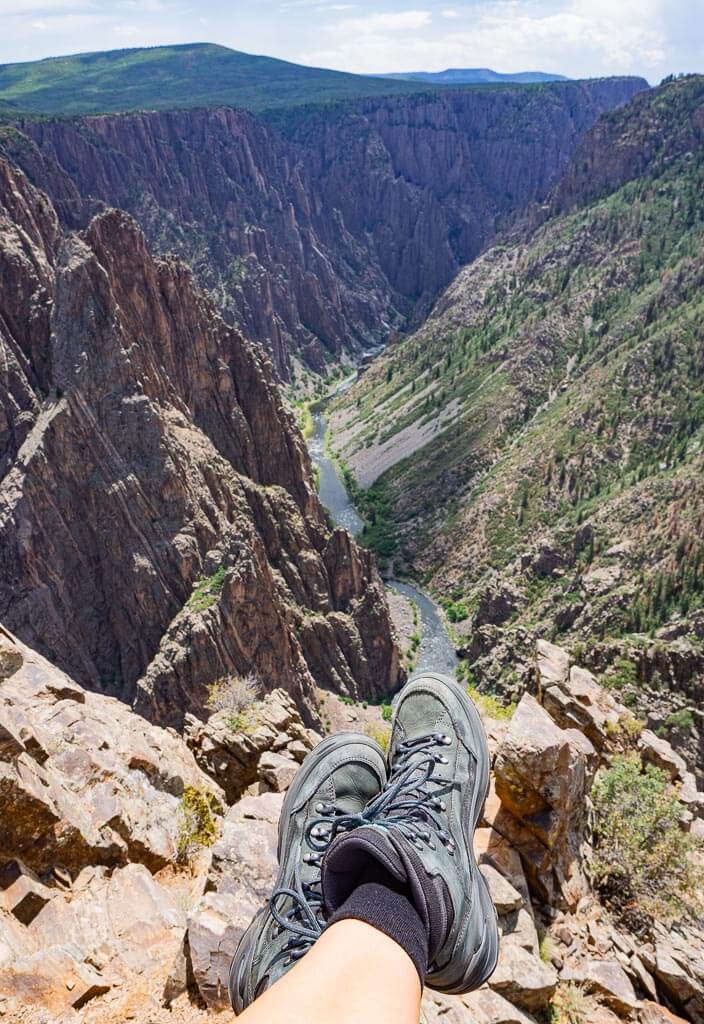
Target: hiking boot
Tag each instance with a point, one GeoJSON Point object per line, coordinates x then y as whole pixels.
{"type": "Point", "coordinates": [333, 785]}
{"type": "Point", "coordinates": [420, 830]}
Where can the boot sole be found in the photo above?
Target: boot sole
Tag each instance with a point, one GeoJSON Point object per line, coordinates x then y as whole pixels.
{"type": "Point", "coordinates": [483, 962]}
{"type": "Point", "coordinates": [241, 964]}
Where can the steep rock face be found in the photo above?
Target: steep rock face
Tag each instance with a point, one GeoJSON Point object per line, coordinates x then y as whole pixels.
{"type": "Point", "coordinates": [326, 237]}
{"type": "Point", "coordinates": [152, 455]}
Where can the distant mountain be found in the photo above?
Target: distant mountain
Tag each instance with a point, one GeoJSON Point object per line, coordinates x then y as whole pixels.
{"type": "Point", "coordinates": [168, 77]}
{"type": "Point", "coordinates": [475, 76]}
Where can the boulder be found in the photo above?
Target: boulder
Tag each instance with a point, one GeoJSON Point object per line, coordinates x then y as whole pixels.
{"type": "Point", "coordinates": [654, 1013]}
{"type": "Point", "coordinates": [606, 979]}
{"type": "Point", "coordinates": [523, 979]}
{"type": "Point", "coordinates": [489, 1007]}
{"type": "Point", "coordinates": [21, 892]}
{"type": "Point", "coordinates": [679, 968]}
{"type": "Point", "coordinates": [505, 898]}
{"type": "Point", "coordinates": [54, 978]}
{"type": "Point", "coordinates": [577, 701]}
{"type": "Point", "coordinates": [232, 754]}
{"type": "Point", "coordinates": [553, 663]}
{"type": "Point", "coordinates": [657, 751]}
{"type": "Point", "coordinates": [241, 878]}
{"type": "Point", "coordinates": [543, 774]}
{"type": "Point", "coordinates": [277, 771]}
{"type": "Point", "coordinates": [86, 781]}
{"type": "Point", "coordinates": [214, 930]}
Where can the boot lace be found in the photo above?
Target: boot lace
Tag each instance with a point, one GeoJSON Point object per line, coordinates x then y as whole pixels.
{"type": "Point", "coordinates": [299, 909]}
{"type": "Point", "coordinates": [412, 801]}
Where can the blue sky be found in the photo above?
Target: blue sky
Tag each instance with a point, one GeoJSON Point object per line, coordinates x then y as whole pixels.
{"type": "Point", "coordinates": [575, 37]}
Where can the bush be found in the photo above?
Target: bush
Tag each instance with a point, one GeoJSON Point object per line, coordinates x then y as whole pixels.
{"type": "Point", "coordinates": [233, 695]}
{"type": "Point", "coordinates": [457, 611]}
{"type": "Point", "coordinates": [206, 591]}
{"type": "Point", "coordinates": [642, 860]}
{"type": "Point", "coordinates": [683, 719]}
{"type": "Point", "coordinates": [491, 705]}
{"type": "Point", "coordinates": [386, 712]}
{"type": "Point", "coordinates": [197, 827]}
{"type": "Point", "coordinates": [381, 734]}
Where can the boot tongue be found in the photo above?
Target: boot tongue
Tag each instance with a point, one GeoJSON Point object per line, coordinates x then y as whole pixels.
{"type": "Point", "coordinates": [350, 857]}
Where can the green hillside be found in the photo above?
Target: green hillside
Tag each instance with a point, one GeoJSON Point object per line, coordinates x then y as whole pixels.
{"type": "Point", "coordinates": [168, 77]}
{"type": "Point", "coordinates": [549, 417]}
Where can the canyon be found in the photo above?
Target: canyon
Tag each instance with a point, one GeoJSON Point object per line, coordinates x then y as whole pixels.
{"type": "Point", "coordinates": [534, 451]}
{"type": "Point", "coordinates": [183, 619]}
{"type": "Point", "coordinates": [319, 231]}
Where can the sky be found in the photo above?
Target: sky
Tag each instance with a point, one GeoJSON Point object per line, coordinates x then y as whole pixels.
{"type": "Point", "coordinates": [579, 38]}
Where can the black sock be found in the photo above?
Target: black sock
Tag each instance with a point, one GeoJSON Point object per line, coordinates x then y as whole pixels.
{"type": "Point", "coordinates": [385, 903]}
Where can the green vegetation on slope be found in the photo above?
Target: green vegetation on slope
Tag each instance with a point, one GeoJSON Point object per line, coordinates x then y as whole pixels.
{"type": "Point", "coordinates": [168, 77]}
{"type": "Point", "coordinates": [557, 401]}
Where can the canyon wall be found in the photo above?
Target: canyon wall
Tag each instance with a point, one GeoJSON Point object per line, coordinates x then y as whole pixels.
{"type": "Point", "coordinates": [159, 527]}
{"type": "Point", "coordinates": [319, 231]}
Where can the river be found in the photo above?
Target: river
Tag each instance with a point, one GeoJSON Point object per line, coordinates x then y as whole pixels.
{"type": "Point", "coordinates": [436, 652]}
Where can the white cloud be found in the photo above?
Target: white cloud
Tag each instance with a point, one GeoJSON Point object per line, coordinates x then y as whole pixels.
{"type": "Point", "coordinates": [576, 37]}
{"type": "Point", "coordinates": [373, 24]}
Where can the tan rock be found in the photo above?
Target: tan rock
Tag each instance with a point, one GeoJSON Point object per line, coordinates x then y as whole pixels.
{"type": "Point", "coordinates": [277, 771]}
{"type": "Point", "coordinates": [489, 1007]}
{"type": "Point", "coordinates": [553, 663]}
{"type": "Point", "coordinates": [505, 898]}
{"type": "Point", "coordinates": [604, 978]}
{"type": "Point", "coordinates": [232, 756]}
{"type": "Point", "coordinates": [54, 979]}
{"type": "Point", "coordinates": [93, 783]}
{"type": "Point", "coordinates": [578, 702]}
{"type": "Point", "coordinates": [523, 979]}
{"type": "Point", "coordinates": [657, 751]}
{"type": "Point", "coordinates": [21, 892]}
{"type": "Point", "coordinates": [519, 929]}
{"type": "Point", "coordinates": [543, 774]}
{"type": "Point", "coordinates": [654, 1013]}
{"type": "Point", "coordinates": [214, 930]}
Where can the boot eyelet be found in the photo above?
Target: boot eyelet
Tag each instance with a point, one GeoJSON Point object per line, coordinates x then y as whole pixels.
{"type": "Point", "coordinates": [319, 808]}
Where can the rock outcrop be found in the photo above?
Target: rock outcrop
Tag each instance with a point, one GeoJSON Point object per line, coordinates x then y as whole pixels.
{"type": "Point", "coordinates": [124, 893]}
{"type": "Point", "coordinates": [159, 527]}
{"type": "Point", "coordinates": [330, 235]}
{"type": "Point", "coordinates": [265, 742]}
{"type": "Point", "coordinates": [92, 805]}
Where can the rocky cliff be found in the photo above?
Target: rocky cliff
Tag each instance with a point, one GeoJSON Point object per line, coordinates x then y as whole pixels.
{"type": "Point", "coordinates": [537, 445]}
{"type": "Point", "coordinates": [130, 864]}
{"type": "Point", "coordinates": [321, 230]}
{"type": "Point", "coordinates": [158, 523]}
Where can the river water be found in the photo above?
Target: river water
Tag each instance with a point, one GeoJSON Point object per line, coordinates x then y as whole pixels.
{"type": "Point", "coordinates": [436, 652]}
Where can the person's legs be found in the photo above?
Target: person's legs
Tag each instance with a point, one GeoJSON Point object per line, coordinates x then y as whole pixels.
{"type": "Point", "coordinates": [354, 974]}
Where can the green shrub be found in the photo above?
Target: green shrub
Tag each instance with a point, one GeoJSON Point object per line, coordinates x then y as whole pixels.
{"type": "Point", "coordinates": [621, 674]}
{"type": "Point", "coordinates": [490, 704]}
{"type": "Point", "coordinates": [456, 611]}
{"type": "Point", "coordinates": [682, 719]}
{"type": "Point", "coordinates": [197, 827]}
{"type": "Point", "coordinates": [386, 712]}
{"type": "Point", "coordinates": [206, 591]}
{"type": "Point", "coordinates": [381, 734]}
{"type": "Point", "coordinates": [642, 859]}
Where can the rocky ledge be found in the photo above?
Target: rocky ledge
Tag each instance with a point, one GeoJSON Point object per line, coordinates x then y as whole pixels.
{"type": "Point", "coordinates": [127, 872]}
